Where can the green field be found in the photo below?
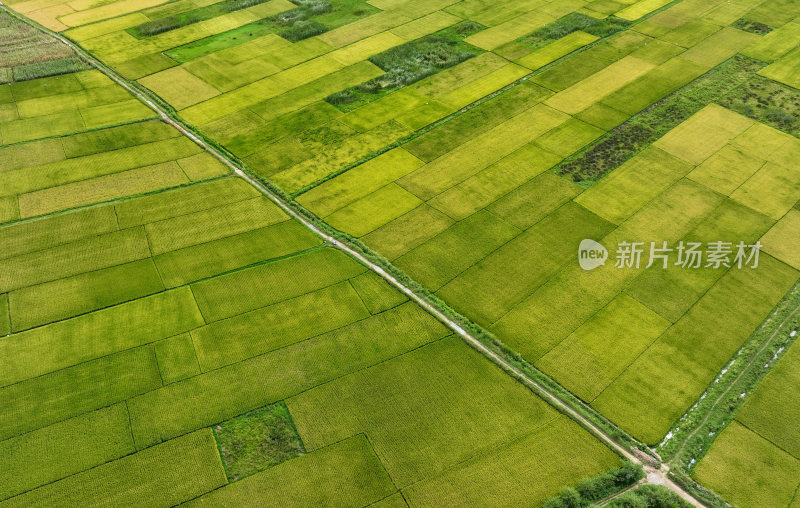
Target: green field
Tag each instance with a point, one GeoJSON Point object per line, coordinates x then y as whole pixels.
{"type": "Point", "coordinates": [171, 335]}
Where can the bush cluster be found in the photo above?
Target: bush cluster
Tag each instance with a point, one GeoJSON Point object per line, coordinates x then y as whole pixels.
{"type": "Point", "coordinates": [597, 487]}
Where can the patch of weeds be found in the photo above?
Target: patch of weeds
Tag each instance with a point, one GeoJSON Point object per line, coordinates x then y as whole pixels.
{"type": "Point", "coordinates": [168, 23]}
{"type": "Point", "coordinates": [733, 84]}
{"type": "Point", "coordinates": [753, 27]}
{"type": "Point", "coordinates": [767, 101]}
{"type": "Point", "coordinates": [51, 68]}
{"type": "Point", "coordinates": [597, 487]}
{"type": "Point", "coordinates": [256, 440]}
{"type": "Point", "coordinates": [411, 62]}
{"type": "Point", "coordinates": [649, 496]}
{"type": "Point", "coordinates": [572, 23]}
{"type": "Point", "coordinates": [310, 18]}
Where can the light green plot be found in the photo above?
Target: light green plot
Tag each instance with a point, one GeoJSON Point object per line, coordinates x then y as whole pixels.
{"type": "Point", "coordinates": [772, 409]}
{"type": "Point", "coordinates": [212, 224]}
{"type": "Point", "coordinates": [481, 151]}
{"type": "Point", "coordinates": [21, 238]}
{"type": "Point", "coordinates": [782, 240]}
{"type": "Point", "coordinates": [116, 113]}
{"type": "Point", "coordinates": [359, 182]}
{"type": "Point", "coordinates": [273, 282]}
{"type": "Point", "coordinates": [748, 469]}
{"type": "Point", "coordinates": [104, 188]}
{"type": "Point", "coordinates": [65, 448]}
{"type": "Point", "coordinates": [786, 70]}
{"type": "Point", "coordinates": [374, 210]}
{"type": "Point", "coordinates": [29, 129]}
{"type": "Point", "coordinates": [487, 290]}
{"type": "Point", "coordinates": [70, 392]}
{"type": "Point", "coordinates": [665, 380]}
{"type": "Point", "coordinates": [344, 474]}
{"type": "Point", "coordinates": [184, 201]}
{"type": "Point", "coordinates": [503, 176]}
{"type": "Point", "coordinates": [115, 138]}
{"type": "Point", "coordinates": [483, 86]}
{"type": "Point", "coordinates": [162, 476]}
{"type": "Point", "coordinates": [202, 166]}
{"type": "Point", "coordinates": [376, 294]}
{"type": "Point", "coordinates": [81, 256]}
{"type": "Point", "coordinates": [65, 343]}
{"type": "Point", "coordinates": [592, 89]}
{"type": "Point", "coordinates": [408, 231]}
{"type": "Point", "coordinates": [775, 44]}
{"type": "Point", "coordinates": [32, 154]}
{"type": "Point", "coordinates": [632, 185]}
{"type": "Point", "coordinates": [223, 393]}
{"type": "Point", "coordinates": [772, 190]}
{"type": "Point", "coordinates": [714, 50]}
{"type": "Point", "coordinates": [654, 85]}
{"type": "Point", "coordinates": [176, 358]}
{"type": "Point", "coordinates": [641, 9]}
{"type": "Point", "coordinates": [557, 49]}
{"type": "Point", "coordinates": [197, 262]}
{"type": "Point", "coordinates": [91, 166]}
{"type": "Point", "coordinates": [568, 137]}
{"type": "Point", "coordinates": [726, 170]}
{"type": "Point", "coordinates": [449, 253]}
{"type": "Point", "coordinates": [529, 203]}
{"type": "Point", "coordinates": [447, 382]}
{"type": "Point", "coordinates": [526, 471]}
{"type": "Point", "coordinates": [596, 353]}
{"type": "Point", "coordinates": [71, 296]}
{"type": "Point", "coordinates": [179, 87]}
{"type": "Point", "coordinates": [260, 331]}
{"type": "Point", "coordinates": [515, 28]}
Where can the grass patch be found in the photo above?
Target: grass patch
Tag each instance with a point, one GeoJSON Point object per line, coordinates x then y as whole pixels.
{"type": "Point", "coordinates": [754, 27]}
{"type": "Point", "coordinates": [650, 496]}
{"type": "Point", "coordinates": [768, 102]}
{"type": "Point", "coordinates": [572, 23]}
{"type": "Point", "coordinates": [312, 17]}
{"type": "Point", "coordinates": [258, 439]}
{"type": "Point", "coordinates": [597, 487]}
{"type": "Point", "coordinates": [169, 23]}
{"type": "Point", "coordinates": [27, 53]}
{"type": "Point", "coordinates": [411, 62]}
{"type": "Point", "coordinates": [733, 84]}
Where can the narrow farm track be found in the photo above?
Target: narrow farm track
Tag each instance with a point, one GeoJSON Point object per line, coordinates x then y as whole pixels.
{"type": "Point", "coordinates": [656, 472]}
{"type": "Point", "coordinates": [723, 396]}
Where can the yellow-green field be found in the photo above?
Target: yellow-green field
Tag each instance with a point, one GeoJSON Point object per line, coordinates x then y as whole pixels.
{"type": "Point", "coordinates": [158, 313]}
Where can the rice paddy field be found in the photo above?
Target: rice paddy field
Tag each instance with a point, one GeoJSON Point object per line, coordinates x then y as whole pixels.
{"type": "Point", "coordinates": [170, 335]}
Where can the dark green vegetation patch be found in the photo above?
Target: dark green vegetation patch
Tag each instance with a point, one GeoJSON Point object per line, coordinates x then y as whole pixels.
{"type": "Point", "coordinates": [27, 53]}
{"type": "Point", "coordinates": [753, 27]}
{"type": "Point", "coordinates": [256, 440]}
{"type": "Point", "coordinates": [168, 23]}
{"type": "Point", "coordinates": [310, 18]}
{"type": "Point", "coordinates": [734, 84]}
{"type": "Point", "coordinates": [597, 487]}
{"type": "Point", "coordinates": [572, 23]}
{"type": "Point", "coordinates": [411, 62]}
{"type": "Point", "coordinates": [649, 496]}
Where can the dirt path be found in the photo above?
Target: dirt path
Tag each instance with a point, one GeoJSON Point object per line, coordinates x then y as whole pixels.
{"type": "Point", "coordinates": [654, 475]}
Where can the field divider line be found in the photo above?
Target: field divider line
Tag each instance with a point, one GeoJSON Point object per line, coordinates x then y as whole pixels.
{"type": "Point", "coordinates": [654, 473]}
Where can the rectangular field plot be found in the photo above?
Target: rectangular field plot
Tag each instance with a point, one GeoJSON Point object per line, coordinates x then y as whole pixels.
{"type": "Point", "coordinates": [451, 385]}
{"type": "Point", "coordinates": [61, 105]}
{"type": "Point", "coordinates": [164, 475]}
{"type": "Point", "coordinates": [101, 165]}
{"type": "Point", "coordinates": [346, 473]}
